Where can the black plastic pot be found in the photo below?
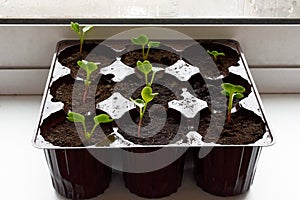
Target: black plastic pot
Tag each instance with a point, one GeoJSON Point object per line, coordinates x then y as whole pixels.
{"type": "Point", "coordinates": [226, 171]}
{"type": "Point", "coordinates": [76, 174]}
{"type": "Point", "coordinates": [154, 184]}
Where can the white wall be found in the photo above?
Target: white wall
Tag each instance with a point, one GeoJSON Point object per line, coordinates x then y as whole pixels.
{"type": "Point", "coordinates": [33, 46]}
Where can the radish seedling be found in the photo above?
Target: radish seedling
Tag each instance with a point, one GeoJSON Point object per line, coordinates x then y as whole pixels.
{"type": "Point", "coordinates": [143, 41]}
{"type": "Point", "coordinates": [76, 117]}
{"type": "Point", "coordinates": [215, 54]}
{"type": "Point", "coordinates": [232, 91]}
{"type": "Point", "coordinates": [81, 32]}
{"type": "Point", "coordinates": [89, 68]}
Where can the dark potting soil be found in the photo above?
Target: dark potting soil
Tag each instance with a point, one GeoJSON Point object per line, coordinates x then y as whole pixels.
{"type": "Point", "coordinates": [231, 57]}
{"type": "Point", "coordinates": [133, 84]}
{"type": "Point", "coordinates": [159, 57]}
{"type": "Point", "coordinates": [197, 55]}
{"type": "Point", "coordinates": [160, 124]}
{"type": "Point", "coordinates": [92, 52]}
{"type": "Point", "coordinates": [245, 127]}
{"type": "Point", "coordinates": [210, 90]}
{"type": "Point", "coordinates": [63, 90]}
{"type": "Point", "coordinates": [59, 131]}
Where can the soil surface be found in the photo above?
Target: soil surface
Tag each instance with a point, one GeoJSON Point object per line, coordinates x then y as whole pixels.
{"type": "Point", "coordinates": [210, 90]}
{"type": "Point", "coordinates": [245, 127]}
{"type": "Point", "coordinates": [63, 90]}
{"type": "Point", "coordinates": [59, 131]}
{"type": "Point", "coordinates": [92, 52]}
{"type": "Point", "coordinates": [197, 55]}
{"type": "Point", "coordinates": [160, 124]}
{"type": "Point", "coordinates": [161, 57]}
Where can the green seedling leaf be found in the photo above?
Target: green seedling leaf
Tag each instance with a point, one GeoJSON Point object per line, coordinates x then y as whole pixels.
{"type": "Point", "coordinates": [82, 65]}
{"type": "Point", "coordinates": [139, 102]}
{"type": "Point", "coordinates": [239, 95]}
{"type": "Point", "coordinates": [225, 93]}
{"type": "Point", "coordinates": [147, 94]}
{"type": "Point", "coordinates": [75, 27]}
{"type": "Point", "coordinates": [215, 54]}
{"type": "Point", "coordinates": [135, 41]}
{"type": "Point", "coordinates": [87, 29]}
{"type": "Point", "coordinates": [153, 44]}
{"type": "Point", "coordinates": [89, 67]}
{"type": "Point", "coordinates": [143, 39]}
{"type": "Point", "coordinates": [232, 89]}
{"type": "Point", "coordinates": [75, 117]}
{"type": "Point", "coordinates": [140, 40]}
{"type": "Point", "coordinates": [240, 89]}
{"type": "Point", "coordinates": [227, 87]}
{"type": "Point", "coordinates": [145, 67]}
{"type": "Point", "coordinates": [102, 118]}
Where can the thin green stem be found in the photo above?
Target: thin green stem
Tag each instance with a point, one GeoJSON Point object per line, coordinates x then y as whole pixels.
{"type": "Point", "coordinates": [215, 57]}
{"type": "Point", "coordinates": [86, 89]}
{"type": "Point", "coordinates": [144, 109]}
{"type": "Point", "coordinates": [139, 127]}
{"type": "Point", "coordinates": [142, 112]}
{"type": "Point", "coordinates": [143, 50]}
{"type": "Point", "coordinates": [93, 130]}
{"type": "Point", "coordinates": [84, 128]}
{"type": "Point", "coordinates": [152, 78]}
{"type": "Point", "coordinates": [146, 79]}
{"type": "Point", "coordinates": [147, 53]}
{"type": "Point", "coordinates": [81, 35]}
{"type": "Point", "coordinates": [229, 107]}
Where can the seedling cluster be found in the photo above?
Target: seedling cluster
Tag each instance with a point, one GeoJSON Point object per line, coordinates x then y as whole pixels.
{"type": "Point", "coordinates": [232, 91]}
{"type": "Point", "coordinates": [146, 68]}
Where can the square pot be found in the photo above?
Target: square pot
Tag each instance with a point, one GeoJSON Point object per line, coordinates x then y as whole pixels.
{"type": "Point", "coordinates": [76, 174]}
{"type": "Point", "coordinates": [226, 171]}
{"type": "Point", "coordinates": [154, 184]}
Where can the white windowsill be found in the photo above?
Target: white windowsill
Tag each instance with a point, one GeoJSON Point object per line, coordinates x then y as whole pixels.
{"type": "Point", "coordinates": [24, 173]}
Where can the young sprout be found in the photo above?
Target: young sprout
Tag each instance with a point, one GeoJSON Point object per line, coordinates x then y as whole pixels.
{"type": "Point", "coordinates": [81, 32]}
{"type": "Point", "coordinates": [143, 41]}
{"type": "Point", "coordinates": [89, 68]}
{"type": "Point", "coordinates": [76, 117]}
{"type": "Point", "coordinates": [215, 54]}
{"type": "Point", "coordinates": [147, 96]}
{"type": "Point", "coordinates": [232, 91]}
{"type": "Point", "coordinates": [146, 67]}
